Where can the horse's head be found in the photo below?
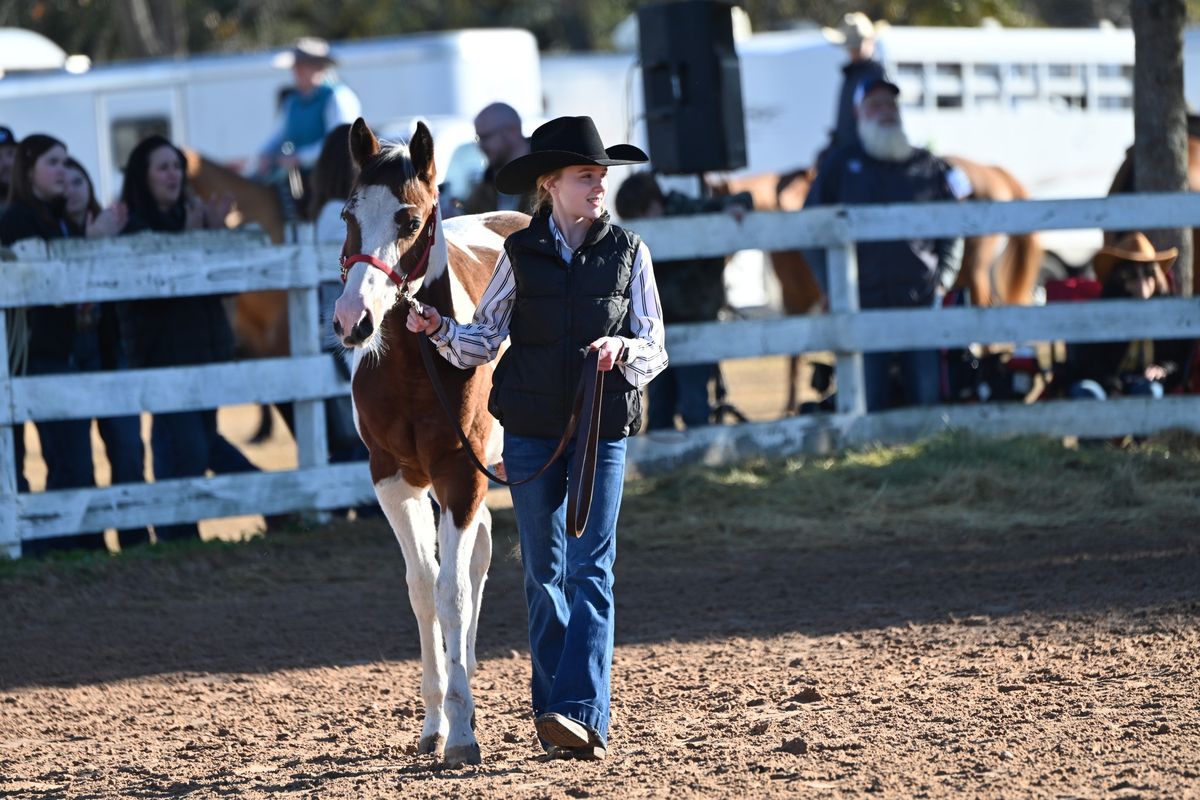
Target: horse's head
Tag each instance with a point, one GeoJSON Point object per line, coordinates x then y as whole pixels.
{"type": "Point", "coordinates": [390, 218]}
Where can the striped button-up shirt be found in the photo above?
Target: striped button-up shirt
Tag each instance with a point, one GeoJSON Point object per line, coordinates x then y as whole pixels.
{"type": "Point", "coordinates": [477, 342]}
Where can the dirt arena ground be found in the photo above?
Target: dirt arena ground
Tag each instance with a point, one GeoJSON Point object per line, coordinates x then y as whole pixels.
{"type": "Point", "coordinates": [791, 643]}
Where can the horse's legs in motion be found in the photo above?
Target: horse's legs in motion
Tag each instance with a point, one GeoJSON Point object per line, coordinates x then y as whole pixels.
{"type": "Point", "coordinates": [979, 253]}
{"type": "Point", "coordinates": [457, 615]}
{"type": "Point", "coordinates": [481, 560]}
{"type": "Point", "coordinates": [408, 510]}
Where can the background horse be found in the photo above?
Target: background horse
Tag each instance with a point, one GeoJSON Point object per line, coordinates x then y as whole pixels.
{"type": "Point", "coordinates": [260, 319]}
{"type": "Point", "coordinates": [990, 281]}
{"type": "Point", "coordinates": [390, 216]}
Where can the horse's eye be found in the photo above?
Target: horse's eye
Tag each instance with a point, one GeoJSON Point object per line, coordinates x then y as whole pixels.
{"type": "Point", "coordinates": [414, 225]}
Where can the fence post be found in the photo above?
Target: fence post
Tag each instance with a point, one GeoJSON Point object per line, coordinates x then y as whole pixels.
{"type": "Point", "coordinates": [10, 537]}
{"type": "Point", "coordinates": [305, 339]}
{"type": "Point", "coordinates": [842, 262]}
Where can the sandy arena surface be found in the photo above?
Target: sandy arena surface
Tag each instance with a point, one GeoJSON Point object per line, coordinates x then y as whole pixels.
{"type": "Point", "coordinates": [885, 660]}
{"type": "Point", "coordinates": [1026, 665]}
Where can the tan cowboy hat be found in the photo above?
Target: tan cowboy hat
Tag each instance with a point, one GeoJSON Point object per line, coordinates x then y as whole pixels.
{"type": "Point", "coordinates": [308, 49]}
{"type": "Point", "coordinates": [1131, 247]}
{"type": "Point", "coordinates": [855, 28]}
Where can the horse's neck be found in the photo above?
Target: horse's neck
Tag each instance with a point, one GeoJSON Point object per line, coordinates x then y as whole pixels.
{"type": "Point", "coordinates": [256, 202]}
{"type": "Point", "coordinates": [222, 179]}
{"type": "Point", "coordinates": [437, 293]}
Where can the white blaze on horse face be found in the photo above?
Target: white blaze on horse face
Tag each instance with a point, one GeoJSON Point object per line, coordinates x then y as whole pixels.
{"type": "Point", "coordinates": [369, 290]}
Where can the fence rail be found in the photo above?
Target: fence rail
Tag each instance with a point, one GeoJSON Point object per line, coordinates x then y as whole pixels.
{"type": "Point", "coordinates": [230, 262]}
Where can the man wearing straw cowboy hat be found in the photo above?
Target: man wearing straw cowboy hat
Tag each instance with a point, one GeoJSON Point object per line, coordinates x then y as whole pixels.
{"type": "Point", "coordinates": [318, 104]}
{"type": "Point", "coordinates": [857, 34]}
{"type": "Point", "coordinates": [1129, 269]}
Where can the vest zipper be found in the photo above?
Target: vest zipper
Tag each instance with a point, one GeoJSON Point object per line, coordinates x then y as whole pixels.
{"type": "Point", "coordinates": [568, 390]}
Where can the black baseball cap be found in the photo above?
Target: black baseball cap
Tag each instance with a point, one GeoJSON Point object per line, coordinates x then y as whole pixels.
{"type": "Point", "coordinates": [870, 85]}
{"type": "Point", "coordinates": [6, 136]}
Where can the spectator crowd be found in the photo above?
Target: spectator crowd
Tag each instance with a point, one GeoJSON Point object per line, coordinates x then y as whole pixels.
{"type": "Point", "coordinates": [46, 194]}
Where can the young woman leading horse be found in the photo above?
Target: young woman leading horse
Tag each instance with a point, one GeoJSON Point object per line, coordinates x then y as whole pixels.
{"type": "Point", "coordinates": [565, 282]}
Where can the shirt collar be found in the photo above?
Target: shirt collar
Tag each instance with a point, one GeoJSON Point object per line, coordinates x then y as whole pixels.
{"type": "Point", "coordinates": [564, 249]}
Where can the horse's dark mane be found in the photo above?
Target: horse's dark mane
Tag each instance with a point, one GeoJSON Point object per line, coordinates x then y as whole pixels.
{"type": "Point", "coordinates": [392, 166]}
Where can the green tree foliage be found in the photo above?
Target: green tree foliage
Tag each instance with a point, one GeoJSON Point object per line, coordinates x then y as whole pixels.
{"type": "Point", "coordinates": [116, 29]}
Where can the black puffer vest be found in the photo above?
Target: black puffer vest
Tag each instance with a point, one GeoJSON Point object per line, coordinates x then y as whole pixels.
{"type": "Point", "coordinates": [560, 309]}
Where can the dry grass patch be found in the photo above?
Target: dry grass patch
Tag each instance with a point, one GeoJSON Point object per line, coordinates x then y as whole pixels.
{"type": "Point", "coordinates": [955, 482]}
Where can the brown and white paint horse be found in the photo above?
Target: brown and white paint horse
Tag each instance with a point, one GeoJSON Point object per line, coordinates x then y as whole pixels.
{"type": "Point", "coordinates": [414, 451]}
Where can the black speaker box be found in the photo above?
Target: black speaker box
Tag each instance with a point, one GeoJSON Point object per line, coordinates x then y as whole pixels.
{"type": "Point", "coordinates": [692, 87]}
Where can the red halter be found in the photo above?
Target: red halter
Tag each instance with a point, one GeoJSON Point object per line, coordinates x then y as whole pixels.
{"type": "Point", "coordinates": [400, 279]}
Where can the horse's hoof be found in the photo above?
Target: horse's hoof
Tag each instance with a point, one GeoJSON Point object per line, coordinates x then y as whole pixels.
{"type": "Point", "coordinates": [431, 745]}
{"type": "Point", "coordinates": [462, 755]}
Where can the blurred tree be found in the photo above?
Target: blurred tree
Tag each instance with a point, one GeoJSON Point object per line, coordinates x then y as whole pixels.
{"type": "Point", "coordinates": [153, 27]}
{"type": "Point", "coordinates": [113, 29]}
{"type": "Point", "coordinates": [767, 14]}
{"type": "Point", "coordinates": [1160, 140]}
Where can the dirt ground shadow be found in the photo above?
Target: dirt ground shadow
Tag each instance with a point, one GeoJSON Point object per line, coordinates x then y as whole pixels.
{"type": "Point", "coordinates": [337, 596]}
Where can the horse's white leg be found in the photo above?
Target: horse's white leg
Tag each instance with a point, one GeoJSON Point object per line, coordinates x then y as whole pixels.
{"type": "Point", "coordinates": [408, 510]}
{"type": "Point", "coordinates": [455, 601]}
{"type": "Point", "coordinates": [481, 559]}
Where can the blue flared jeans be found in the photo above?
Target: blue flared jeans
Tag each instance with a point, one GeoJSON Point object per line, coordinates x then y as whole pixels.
{"type": "Point", "coordinates": [568, 580]}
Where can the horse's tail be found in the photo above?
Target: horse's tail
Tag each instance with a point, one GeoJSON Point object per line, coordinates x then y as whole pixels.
{"type": "Point", "coordinates": [1017, 272]}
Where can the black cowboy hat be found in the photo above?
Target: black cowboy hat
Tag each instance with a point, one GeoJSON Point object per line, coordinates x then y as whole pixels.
{"type": "Point", "coordinates": [563, 142]}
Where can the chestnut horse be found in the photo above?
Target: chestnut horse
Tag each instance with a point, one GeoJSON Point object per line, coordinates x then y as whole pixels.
{"type": "Point", "coordinates": [1010, 279]}
{"type": "Point", "coordinates": [260, 319]}
{"type": "Point", "coordinates": [392, 219]}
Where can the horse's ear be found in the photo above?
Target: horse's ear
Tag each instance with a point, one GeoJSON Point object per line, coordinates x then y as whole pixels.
{"type": "Point", "coordinates": [363, 143]}
{"type": "Point", "coordinates": [420, 147]}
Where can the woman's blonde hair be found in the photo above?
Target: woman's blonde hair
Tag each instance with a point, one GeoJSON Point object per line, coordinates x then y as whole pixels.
{"type": "Point", "coordinates": [543, 199]}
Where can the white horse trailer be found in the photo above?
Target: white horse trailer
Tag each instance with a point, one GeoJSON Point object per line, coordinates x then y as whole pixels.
{"type": "Point", "coordinates": [225, 105]}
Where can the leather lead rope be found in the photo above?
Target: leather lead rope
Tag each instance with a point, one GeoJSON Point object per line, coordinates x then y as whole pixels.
{"type": "Point", "coordinates": [582, 471]}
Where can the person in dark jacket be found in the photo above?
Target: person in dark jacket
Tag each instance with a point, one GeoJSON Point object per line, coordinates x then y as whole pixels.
{"type": "Point", "coordinates": [857, 34]}
{"type": "Point", "coordinates": [885, 168]}
{"type": "Point", "coordinates": [690, 291]}
{"type": "Point", "coordinates": [176, 331]}
{"type": "Point", "coordinates": [98, 343]}
{"type": "Point", "coordinates": [569, 281]}
{"type": "Point", "coordinates": [8, 155]}
{"type": "Point", "coordinates": [44, 344]}
{"type": "Point", "coordinates": [498, 133]}
{"type": "Point", "coordinates": [1130, 269]}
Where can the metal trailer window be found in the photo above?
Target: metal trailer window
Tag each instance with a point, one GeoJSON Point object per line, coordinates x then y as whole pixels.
{"type": "Point", "coordinates": [948, 85]}
{"type": "Point", "coordinates": [126, 132]}
{"type": "Point", "coordinates": [1022, 84]}
{"type": "Point", "coordinates": [985, 85]}
{"type": "Point", "coordinates": [911, 80]}
{"type": "Point", "coordinates": [1114, 87]}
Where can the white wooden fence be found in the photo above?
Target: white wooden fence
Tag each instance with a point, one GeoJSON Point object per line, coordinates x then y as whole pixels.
{"type": "Point", "coordinates": [230, 262]}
